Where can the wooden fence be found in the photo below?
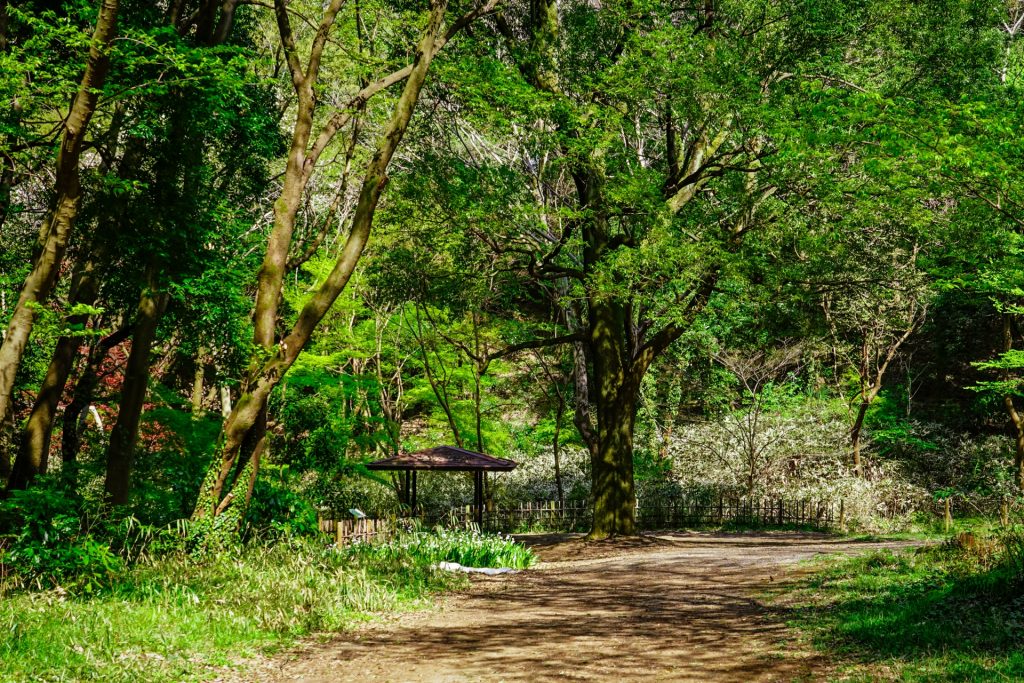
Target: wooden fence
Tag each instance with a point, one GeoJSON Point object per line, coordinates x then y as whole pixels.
{"type": "Point", "coordinates": [534, 515]}
{"type": "Point", "coordinates": [670, 513]}
{"type": "Point", "coordinates": [346, 531]}
{"type": "Point", "coordinates": [716, 510]}
{"type": "Point", "coordinates": [706, 508]}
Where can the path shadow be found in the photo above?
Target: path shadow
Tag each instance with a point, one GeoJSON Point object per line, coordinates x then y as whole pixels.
{"type": "Point", "coordinates": [650, 616]}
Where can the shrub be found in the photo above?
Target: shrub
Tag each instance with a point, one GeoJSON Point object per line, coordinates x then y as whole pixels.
{"type": "Point", "coordinates": [48, 542]}
{"type": "Point", "coordinates": [278, 510]}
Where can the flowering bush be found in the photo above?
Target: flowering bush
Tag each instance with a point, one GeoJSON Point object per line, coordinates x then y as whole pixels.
{"type": "Point", "coordinates": [802, 453]}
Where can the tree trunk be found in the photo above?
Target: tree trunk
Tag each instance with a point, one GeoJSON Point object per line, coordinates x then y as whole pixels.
{"type": "Point", "coordinates": [217, 495]}
{"type": "Point", "coordinates": [34, 450]}
{"type": "Point", "coordinates": [56, 229]}
{"type": "Point", "coordinates": [1011, 409]}
{"type": "Point", "coordinates": [855, 435]}
{"type": "Point", "coordinates": [613, 386]}
{"type": "Point", "coordinates": [198, 381]}
{"type": "Point", "coordinates": [124, 435]}
{"type": "Point", "coordinates": [613, 487]}
{"type": "Point", "coordinates": [6, 184]}
{"type": "Point", "coordinates": [1018, 461]}
{"type": "Point", "coordinates": [559, 412]}
{"type": "Point", "coordinates": [82, 395]}
{"type": "Point", "coordinates": [1018, 425]}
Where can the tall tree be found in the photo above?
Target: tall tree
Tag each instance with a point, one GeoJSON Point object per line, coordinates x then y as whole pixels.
{"type": "Point", "coordinates": [232, 472]}
{"type": "Point", "coordinates": [151, 203]}
{"type": "Point", "coordinates": [650, 139]}
{"type": "Point", "coordinates": [55, 230]}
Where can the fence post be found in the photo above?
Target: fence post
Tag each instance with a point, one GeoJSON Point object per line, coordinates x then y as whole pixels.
{"type": "Point", "coordinates": [948, 520]}
{"type": "Point", "coordinates": [337, 533]}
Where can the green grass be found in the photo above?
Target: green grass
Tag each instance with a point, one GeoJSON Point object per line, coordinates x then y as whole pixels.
{"type": "Point", "coordinates": [179, 620]}
{"type": "Point", "coordinates": [940, 613]}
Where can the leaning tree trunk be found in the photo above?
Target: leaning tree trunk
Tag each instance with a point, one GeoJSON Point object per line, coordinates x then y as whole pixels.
{"type": "Point", "coordinates": [56, 229]}
{"type": "Point", "coordinates": [124, 435]}
{"type": "Point", "coordinates": [33, 453]}
{"type": "Point", "coordinates": [218, 491]}
{"type": "Point", "coordinates": [1011, 409]}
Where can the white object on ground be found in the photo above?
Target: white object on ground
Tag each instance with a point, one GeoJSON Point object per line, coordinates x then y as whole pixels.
{"type": "Point", "coordinates": [490, 571]}
{"type": "Point", "coordinates": [96, 416]}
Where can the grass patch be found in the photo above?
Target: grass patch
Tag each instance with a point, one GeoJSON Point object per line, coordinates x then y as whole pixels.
{"type": "Point", "coordinates": [177, 619]}
{"type": "Point", "coordinates": [953, 612]}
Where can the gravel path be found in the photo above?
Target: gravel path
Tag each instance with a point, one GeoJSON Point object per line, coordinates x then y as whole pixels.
{"type": "Point", "coordinates": [665, 607]}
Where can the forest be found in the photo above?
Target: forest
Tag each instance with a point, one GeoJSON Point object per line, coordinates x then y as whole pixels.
{"type": "Point", "coordinates": [748, 252]}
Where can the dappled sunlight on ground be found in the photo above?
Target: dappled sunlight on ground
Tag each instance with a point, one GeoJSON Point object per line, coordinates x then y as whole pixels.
{"type": "Point", "coordinates": [670, 607]}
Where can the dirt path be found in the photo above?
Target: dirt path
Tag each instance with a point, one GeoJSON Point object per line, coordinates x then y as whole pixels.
{"type": "Point", "coordinates": [669, 607]}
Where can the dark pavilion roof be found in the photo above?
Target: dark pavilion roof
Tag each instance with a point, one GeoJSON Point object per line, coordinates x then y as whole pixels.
{"type": "Point", "coordinates": [447, 458]}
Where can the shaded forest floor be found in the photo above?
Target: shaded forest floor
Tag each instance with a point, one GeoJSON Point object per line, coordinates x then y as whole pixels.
{"type": "Point", "coordinates": [667, 606]}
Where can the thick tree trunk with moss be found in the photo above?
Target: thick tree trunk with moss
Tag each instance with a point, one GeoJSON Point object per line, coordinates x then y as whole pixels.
{"type": "Point", "coordinates": [56, 229]}
{"type": "Point", "coordinates": [612, 468]}
{"type": "Point", "coordinates": [614, 383]}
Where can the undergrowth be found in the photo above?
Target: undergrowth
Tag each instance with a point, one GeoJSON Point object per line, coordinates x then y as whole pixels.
{"type": "Point", "coordinates": [178, 618]}
{"type": "Point", "coordinates": [468, 548]}
{"type": "Point", "coordinates": [949, 612]}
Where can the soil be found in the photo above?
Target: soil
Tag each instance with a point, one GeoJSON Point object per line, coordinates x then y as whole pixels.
{"type": "Point", "coordinates": [662, 607]}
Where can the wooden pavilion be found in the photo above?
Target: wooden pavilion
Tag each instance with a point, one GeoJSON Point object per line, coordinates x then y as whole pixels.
{"type": "Point", "coordinates": [445, 459]}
